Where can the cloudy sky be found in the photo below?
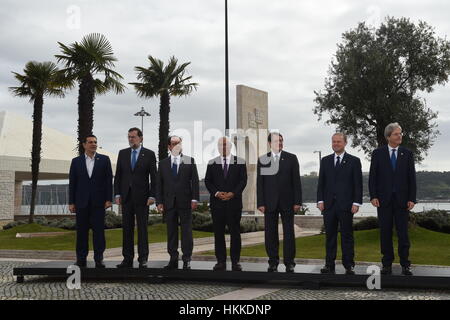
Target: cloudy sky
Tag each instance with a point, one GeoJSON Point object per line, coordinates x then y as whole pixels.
{"type": "Point", "coordinates": [282, 47]}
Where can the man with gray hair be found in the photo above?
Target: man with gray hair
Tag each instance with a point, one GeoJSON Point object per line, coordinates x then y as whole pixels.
{"type": "Point", "coordinates": [226, 178]}
{"type": "Point", "coordinates": [392, 187]}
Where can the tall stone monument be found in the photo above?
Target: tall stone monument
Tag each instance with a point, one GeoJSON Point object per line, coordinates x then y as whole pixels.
{"type": "Point", "coordinates": [251, 137]}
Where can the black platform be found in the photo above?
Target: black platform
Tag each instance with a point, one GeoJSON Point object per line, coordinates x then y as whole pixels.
{"type": "Point", "coordinates": [306, 275]}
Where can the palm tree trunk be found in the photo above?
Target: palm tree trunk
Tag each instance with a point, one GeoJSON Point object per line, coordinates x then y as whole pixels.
{"type": "Point", "coordinates": [164, 125]}
{"type": "Point", "coordinates": [36, 151]}
{"type": "Point", "coordinates": [86, 98]}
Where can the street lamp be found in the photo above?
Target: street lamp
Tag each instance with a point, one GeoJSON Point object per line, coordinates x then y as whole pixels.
{"type": "Point", "coordinates": [227, 97]}
{"type": "Point", "coordinates": [142, 114]}
{"type": "Point", "coordinates": [320, 156]}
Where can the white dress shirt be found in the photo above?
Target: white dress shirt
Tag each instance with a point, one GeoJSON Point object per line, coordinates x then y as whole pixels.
{"type": "Point", "coordinates": [178, 162]}
{"type": "Point", "coordinates": [341, 156]}
{"type": "Point", "coordinates": [90, 162]}
{"type": "Point", "coordinates": [177, 159]}
{"type": "Point", "coordinates": [390, 152]}
{"type": "Point", "coordinates": [276, 154]}
{"type": "Point", "coordinates": [228, 158]}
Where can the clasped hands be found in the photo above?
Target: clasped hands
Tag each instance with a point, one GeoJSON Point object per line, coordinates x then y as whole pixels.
{"type": "Point", "coordinates": [225, 196]}
{"type": "Point", "coordinates": [376, 203]}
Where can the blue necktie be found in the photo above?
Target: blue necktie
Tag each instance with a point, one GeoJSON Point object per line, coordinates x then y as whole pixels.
{"type": "Point", "coordinates": [133, 159]}
{"type": "Point", "coordinates": [175, 168]}
{"type": "Point", "coordinates": [393, 159]}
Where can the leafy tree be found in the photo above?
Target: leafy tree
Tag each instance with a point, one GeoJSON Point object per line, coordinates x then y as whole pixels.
{"type": "Point", "coordinates": [376, 78]}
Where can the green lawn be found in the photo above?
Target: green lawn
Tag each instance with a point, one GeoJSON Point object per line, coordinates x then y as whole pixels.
{"type": "Point", "coordinates": [8, 240]}
{"type": "Point", "coordinates": [427, 247]}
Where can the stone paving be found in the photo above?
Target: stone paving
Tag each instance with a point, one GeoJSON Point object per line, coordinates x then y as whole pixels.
{"type": "Point", "coordinates": [43, 288]}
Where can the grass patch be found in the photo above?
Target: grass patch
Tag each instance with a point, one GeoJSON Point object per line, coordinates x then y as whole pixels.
{"type": "Point", "coordinates": [8, 240]}
{"type": "Point", "coordinates": [427, 247]}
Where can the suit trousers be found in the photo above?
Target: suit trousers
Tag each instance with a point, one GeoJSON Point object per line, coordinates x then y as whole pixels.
{"type": "Point", "coordinates": [132, 211]}
{"type": "Point", "coordinates": [387, 215]}
{"type": "Point", "coordinates": [93, 218]}
{"type": "Point", "coordinates": [173, 218]}
{"type": "Point", "coordinates": [272, 240]}
{"type": "Point", "coordinates": [332, 218]}
{"type": "Point", "coordinates": [231, 218]}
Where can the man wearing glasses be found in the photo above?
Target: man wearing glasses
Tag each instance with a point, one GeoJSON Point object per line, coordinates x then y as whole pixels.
{"type": "Point", "coordinates": [392, 187]}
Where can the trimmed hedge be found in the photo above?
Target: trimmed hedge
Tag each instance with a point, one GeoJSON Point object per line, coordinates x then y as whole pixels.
{"type": "Point", "coordinates": [366, 224]}
{"type": "Point", "coordinates": [435, 220]}
{"type": "Point", "coordinates": [201, 221]}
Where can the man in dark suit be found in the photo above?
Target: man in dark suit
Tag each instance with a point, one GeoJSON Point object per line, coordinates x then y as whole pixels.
{"type": "Point", "coordinates": [279, 191]}
{"type": "Point", "coordinates": [226, 178]}
{"type": "Point", "coordinates": [90, 193]}
{"type": "Point", "coordinates": [392, 187]}
{"type": "Point", "coordinates": [339, 196]}
{"type": "Point", "coordinates": [135, 165]}
{"type": "Point", "coordinates": [177, 194]}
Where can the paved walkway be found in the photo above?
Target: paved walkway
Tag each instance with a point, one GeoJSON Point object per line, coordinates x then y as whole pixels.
{"type": "Point", "coordinates": [39, 288]}
{"type": "Point", "coordinates": [158, 251]}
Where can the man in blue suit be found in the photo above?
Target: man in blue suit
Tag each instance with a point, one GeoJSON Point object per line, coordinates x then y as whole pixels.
{"type": "Point", "coordinates": [392, 187]}
{"type": "Point", "coordinates": [90, 193]}
{"type": "Point", "coordinates": [339, 196]}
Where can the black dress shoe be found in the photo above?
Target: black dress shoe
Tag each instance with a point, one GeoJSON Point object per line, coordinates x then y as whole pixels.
{"type": "Point", "coordinates": [187, 265]}
{"type": "Point", "coordinates": [81, 264]}
{"type": "Point", "coordinates": [350, 271]}
{"type": "Point", "coordinates": [143, 265]}
{"type": "Point", "coordinates": [386, 271]}
{"type": "Point", "coordinates": [172, 265]}
{"type": "Point", "coordinates": [290, 268]}
{"type": "Point", "coordinates": [125, 264]}
{"type": "Point", "coordinates": [272, 268]}
{"type": "Point", "coordinates": [328, 270]}
{"type": "Point", "coordinates": [220, 266]}
{"type": "Point", "coordinates": [99, 265]}
{"type": "Point", "coordinates": [406, 271]}
{"type": "Point", "coordinates": [236, 267]}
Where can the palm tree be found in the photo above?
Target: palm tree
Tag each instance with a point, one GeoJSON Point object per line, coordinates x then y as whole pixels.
{"type": "Point", "coordinates": [163, 81]}
{"type": "Point", "coordinates": [83, 62]}
{"type": "Point", "coordinates": [39, 79]}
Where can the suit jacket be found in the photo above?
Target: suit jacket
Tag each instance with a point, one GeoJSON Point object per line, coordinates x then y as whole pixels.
{"type": "Point", "coordinates": [342, 184]}
{"type": "Point", "coordinates": [179, 191]}
{"type": "Point", "coordinates": [235, 181]}
{"type": "Point", "coordinates": [383, 179]}
{"type": "Point", "coordinates": [97, 188]}
{"type": "Point", "coordinates": [278, 187]}
{"type": "Point", "coordinates": [138, 179]}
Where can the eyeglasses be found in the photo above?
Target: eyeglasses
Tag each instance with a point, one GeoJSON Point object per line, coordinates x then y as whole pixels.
{"type": "Point", "coordinates": [397, 134]}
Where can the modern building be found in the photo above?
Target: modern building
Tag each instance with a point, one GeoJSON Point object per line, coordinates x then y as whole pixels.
{"type": "Point", "coordinates": [58, 149]}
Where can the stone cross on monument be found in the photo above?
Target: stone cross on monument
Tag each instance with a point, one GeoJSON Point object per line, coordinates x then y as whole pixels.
{"type": "Point", "coordinates": [251, 138]}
